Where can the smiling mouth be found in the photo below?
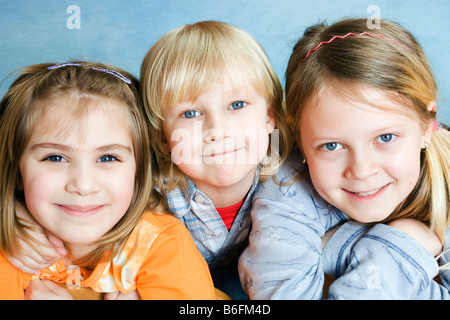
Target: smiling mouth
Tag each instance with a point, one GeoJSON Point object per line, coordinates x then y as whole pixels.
{"type": "Point", "coordinates": [370, 193]}
{"type": "Point", "coordinates": [76, 210]}
{"type": "Point", "coordinates": [224, 153]}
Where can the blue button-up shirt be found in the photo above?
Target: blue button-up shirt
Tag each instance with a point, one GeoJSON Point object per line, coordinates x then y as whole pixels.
{"type": "Point", "coordinates": [218, 245]}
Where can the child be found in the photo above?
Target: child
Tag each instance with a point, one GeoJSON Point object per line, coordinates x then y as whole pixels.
{"type": "Point", "coordinates": [214, 100]}
{"type": "Point", "coordinates": [361, 105]}
{"type": "Point", "coordinates": [76, 154]}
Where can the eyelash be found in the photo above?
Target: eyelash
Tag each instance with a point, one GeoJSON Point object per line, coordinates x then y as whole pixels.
{"type": "Point", "coordinates": [60, 158]}
{"type": "Point", "coordinates": [52, 158]}
{"type": "Point", "coordinates": [195, 113]}
{"type": "Point", "coordinates": [391, 137]}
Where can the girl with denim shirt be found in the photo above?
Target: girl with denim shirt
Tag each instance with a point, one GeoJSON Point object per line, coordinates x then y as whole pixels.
{"type": "Point", "coordinates": [361, 105]}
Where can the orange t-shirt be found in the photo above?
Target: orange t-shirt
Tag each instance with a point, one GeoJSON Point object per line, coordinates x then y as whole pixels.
{"type": "Point", "coordinates": [159, 260]}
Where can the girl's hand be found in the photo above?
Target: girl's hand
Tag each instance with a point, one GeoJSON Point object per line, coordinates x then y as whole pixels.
{"type": "Point", "coordinates": [420, 232]}
{"type": "Point", "coordinates": [49, 248]}
{"type": "Point", "coordinates": [46, 290]}
{"type": "Point", "coordinates": [133, 295]}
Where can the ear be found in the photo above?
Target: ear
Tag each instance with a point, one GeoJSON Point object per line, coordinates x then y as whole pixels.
{"type": "Point", "coordinates": [428, 130]}
{"type": "Point", "coordinates": [270, 122]}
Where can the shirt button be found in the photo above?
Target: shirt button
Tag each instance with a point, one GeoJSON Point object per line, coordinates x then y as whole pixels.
{"type": "Point", "coordinates": [198, 199]}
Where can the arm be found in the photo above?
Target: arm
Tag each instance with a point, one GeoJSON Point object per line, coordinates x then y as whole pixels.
{"type": "Point", "coordinates": [380, 263]}
{"type": "Point", "coordinates": [283, 259]}
{"type": "Point", "coordinates": [174, 269]}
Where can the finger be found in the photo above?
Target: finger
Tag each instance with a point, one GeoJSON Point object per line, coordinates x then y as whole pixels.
{"type": "Point", "coordinates": [46, 290]}
{"type": "Point", "coordinates": [57, 243]}
{"type": "Point", "coordinates": [60, 292]}
{"type": "Point", "coordinates": [111, 295]}
{"type": "Point", "coordinates": [33, 269]}
{"type": "Point", "coordinates": [132, 295]}
{"type": "Point", "coordinates": [29, 263]}
{"type": "Point", "coordinates": [53, 287]}
{"type": "Point", "coordinates": [33, 290]}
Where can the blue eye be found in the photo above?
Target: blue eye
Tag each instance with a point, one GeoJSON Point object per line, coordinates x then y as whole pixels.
{"type": "Point", "coordinates": [107, 158]}
{"type": "Point", "coordinates": [191, 114]}
{"type": "Point", "coordinates": [237, 105]}
{"type": "Point", "coordinates": [55, 158]}
{"type": "Point", "coordinates": [384, 138]}
{"type": "Point", "coordinates": [331, 146]}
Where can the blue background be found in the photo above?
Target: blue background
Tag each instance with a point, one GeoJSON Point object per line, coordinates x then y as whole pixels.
{"type": "Point", "coordinates": [121, 32]}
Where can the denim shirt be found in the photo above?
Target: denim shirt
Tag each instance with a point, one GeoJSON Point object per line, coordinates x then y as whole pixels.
{"type": "Point", "coordinates": [381, 262]}
{"type": "Point", "coordinates": [284, 256]}
{"type": "Point", "coordinates": [284, 259]}
{"type": "Point", "coordinates": [219, 246]}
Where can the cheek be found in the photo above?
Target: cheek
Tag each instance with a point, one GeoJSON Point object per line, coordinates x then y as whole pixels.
{"type": "Point", "coordinates": [122, 189]}
{"type": "Point", "coordinates": [323, 175]}
{"type": "Point", "coordinates": [184, 148]}
{"type": "Point", "coordinates": [258, 148]}
{"type": "Point", "coordinates": [404, 166]}
{"type": "Point", "coordinates": [39, 191]}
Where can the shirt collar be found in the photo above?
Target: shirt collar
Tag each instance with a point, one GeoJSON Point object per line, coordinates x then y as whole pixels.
{"type": "Point", "coordinates": [180, 201]}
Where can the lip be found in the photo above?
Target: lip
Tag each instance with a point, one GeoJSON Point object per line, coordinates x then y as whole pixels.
{"type": "Point", "coordinates": [80, 211]}
{"type": "Point", "coordinates": [223, 153]}
{"type": "Point", "coordinates": [367, 195]}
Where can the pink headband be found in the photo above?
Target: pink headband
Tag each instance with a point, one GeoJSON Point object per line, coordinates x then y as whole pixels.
{"type": "Point", "coordinates": [342, 37]}
{"type": "Point", "coordinates": [435, 126]}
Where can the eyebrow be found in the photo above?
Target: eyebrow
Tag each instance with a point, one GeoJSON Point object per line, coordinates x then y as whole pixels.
{"type": "Point", "coordinates": [64, 147]}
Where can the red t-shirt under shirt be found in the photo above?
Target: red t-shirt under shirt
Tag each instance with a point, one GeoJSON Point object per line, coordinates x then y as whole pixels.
{"type": "Point", "coordinates": [228, 214]}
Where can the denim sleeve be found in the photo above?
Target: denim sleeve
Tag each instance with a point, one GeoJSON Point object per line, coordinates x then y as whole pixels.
{"type": "Point", "coordinates": [283, 259]}
{"type": "Point", "coordinates": [379, 263]}
{"type": "Point", "coordinates": [445, 261]}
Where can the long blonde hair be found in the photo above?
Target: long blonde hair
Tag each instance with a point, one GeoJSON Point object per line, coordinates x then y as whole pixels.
{"type": "Point", "coordinates": [186, 60]}
{"type": "Point", "coordinates": [17, 117]}
{"type": "Point", "coordinates": [393, 62]}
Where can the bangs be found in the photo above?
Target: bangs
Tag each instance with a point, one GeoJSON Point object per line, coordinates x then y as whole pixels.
{"type": "Point", "coordinates": [185, 62]}
{"type": "Point", "coordinates": [351, 91]}
{"type": "Point", "coordinates": [188, 84]}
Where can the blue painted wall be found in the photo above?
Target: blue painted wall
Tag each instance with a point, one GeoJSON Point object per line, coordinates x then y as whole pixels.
{"type": "Point", "coordinates": [120, 32]}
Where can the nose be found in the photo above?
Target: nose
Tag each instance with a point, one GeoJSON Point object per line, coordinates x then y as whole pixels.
{"type": "Point", "coordinates": [82, 180]}
{"type": "Point", "coordinates": [214, 129]}
{"type": "Point", "coordinates": [361, 165]}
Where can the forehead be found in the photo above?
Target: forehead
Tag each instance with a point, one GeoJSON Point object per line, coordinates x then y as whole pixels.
{"type": "Point", "coordinates": [334, 93]}
{"type": "Point", "coordinates": [367, 110]}
{"type": "Point", "coordinates": [61, 116]}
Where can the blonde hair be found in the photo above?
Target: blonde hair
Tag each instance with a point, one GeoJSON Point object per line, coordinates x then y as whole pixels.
{"type": "Point", "coordinates": [394, 63]}
{"type": "Point", "coordinates": [19, 112]}
{"type": "Point", "coordinates": [186, 60]}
